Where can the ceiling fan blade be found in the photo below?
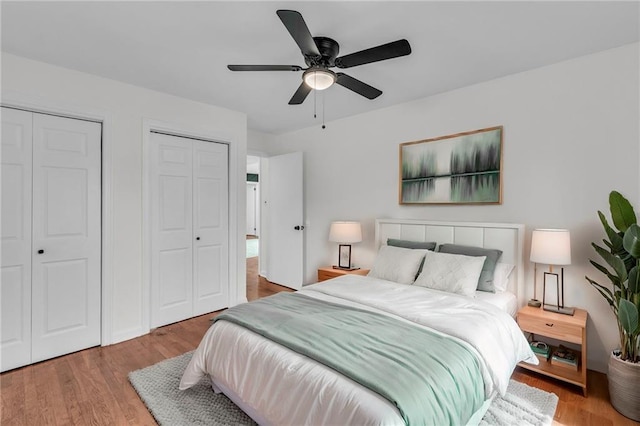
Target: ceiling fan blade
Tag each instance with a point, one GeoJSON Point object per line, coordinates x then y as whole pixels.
{"type": "Point", "coordinates": [391, 50]}
{"type": "Point", "coordinates": [299, 31]}
{"type": "Point", "coordinates": [300, 95]}
{"type": "Point", "coordinates": [264, 68]}
{"type": "Point", "coordinates": [357, 86]}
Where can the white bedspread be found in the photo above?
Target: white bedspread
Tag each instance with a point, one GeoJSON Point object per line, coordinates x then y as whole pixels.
{"type": "Point", "coordinates": [287, 388]}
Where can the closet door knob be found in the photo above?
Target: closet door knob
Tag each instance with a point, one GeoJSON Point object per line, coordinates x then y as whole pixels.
{"type": "Point", "coordinates": [198, 238]}
{"type": "Point", "coordinates": [40, 251]}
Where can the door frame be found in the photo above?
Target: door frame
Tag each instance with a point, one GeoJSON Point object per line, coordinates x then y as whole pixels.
{"type": "Point", "coordinates": [148, 126]}
{"type": "Point", "coordinates": [36, 104]}
{"type": "Point", "coordinates": [264, 212]}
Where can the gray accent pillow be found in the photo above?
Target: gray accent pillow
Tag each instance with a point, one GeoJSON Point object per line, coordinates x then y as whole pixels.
{"type": "Point", "coordinates": [421, 245]}
{"type": "Point", "coordinates": [485, 282]}
{"type": "Point", "coordinates": [411, 244]}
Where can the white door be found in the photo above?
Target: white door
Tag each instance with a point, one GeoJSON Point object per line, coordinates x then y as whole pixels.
{"type": "Point", "coordinates": [210, 226]}
{"type": "Point", "coordinates": [51, 226]}
{"type": "Point", "coordinates": [252, 227]}
{"type": "Point", "coordinates": [66, 236]}
{"type": "Point", "coordinates": [189, 228]}
{"type": "Point", "coordinates": [286, 221]}
{"type": "Point", "coordinates": [15, 281]}
{"type": "Point", "coordinates": [172, 229]}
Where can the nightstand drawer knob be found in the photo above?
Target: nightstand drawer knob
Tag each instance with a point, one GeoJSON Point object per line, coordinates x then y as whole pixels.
{"type": "Point", "coordinates": [549, 325]}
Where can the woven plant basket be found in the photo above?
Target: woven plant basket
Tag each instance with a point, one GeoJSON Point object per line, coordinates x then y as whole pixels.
{"type": "Point", "coordinates": [624, 387]}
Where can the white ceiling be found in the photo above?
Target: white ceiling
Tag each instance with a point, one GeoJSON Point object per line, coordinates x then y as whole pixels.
{"type": "Point", "coordinates": [182, 48]}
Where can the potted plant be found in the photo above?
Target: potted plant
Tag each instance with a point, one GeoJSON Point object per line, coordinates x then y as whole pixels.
{"type": "Point", "coordinates": [622, 256]}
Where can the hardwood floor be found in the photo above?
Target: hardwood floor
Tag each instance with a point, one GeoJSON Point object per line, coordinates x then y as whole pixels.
{"type": "Point", "coordinates": [257, 286]}
{"type": "Point", "coordinates": [90, 387]}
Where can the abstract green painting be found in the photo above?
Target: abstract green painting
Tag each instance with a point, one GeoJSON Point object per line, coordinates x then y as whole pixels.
{"type": "Point", "coordinates": [465, 168]}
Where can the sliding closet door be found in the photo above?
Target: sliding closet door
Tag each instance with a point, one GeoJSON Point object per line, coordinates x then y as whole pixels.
{"type": "Point", "coordinates": [171, 229]}
{"type": "Point", "coordinates": [66, 236]}
{"type": "Point", "coordinates": [211, 226]}
{"type": "Point", "coordinates": [15, 280]}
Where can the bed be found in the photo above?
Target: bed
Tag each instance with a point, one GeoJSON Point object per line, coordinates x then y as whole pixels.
{"type": "Point", "coordinates": [314, 380]}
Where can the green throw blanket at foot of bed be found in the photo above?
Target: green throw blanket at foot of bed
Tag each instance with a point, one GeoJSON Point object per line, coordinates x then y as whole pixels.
{"type": "Point", "coordinates": [432, 379]}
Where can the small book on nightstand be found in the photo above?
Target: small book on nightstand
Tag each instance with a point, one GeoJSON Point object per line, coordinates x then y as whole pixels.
{"type": "Point", "coordinates": [565, 358]}
{"type": "Point", "coordinates": [541, 349]}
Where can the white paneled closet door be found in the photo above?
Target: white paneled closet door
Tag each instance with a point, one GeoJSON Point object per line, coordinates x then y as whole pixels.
{"type": "Point", "coordinates": [51, 236]}
{"type": "Point", "coordinates": [210, 226]}
{"type": "Point", "coordinates": [189, 227]}
{"type": "Point", "coordinates": [66, 236]}
{"type": "Point", "coordinates": [172, 229]}
{"type": "Point", "coordinates": [15, 280]}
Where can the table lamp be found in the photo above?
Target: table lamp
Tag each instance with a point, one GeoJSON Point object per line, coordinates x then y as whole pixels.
{"type": "Point", "coordinates": [552, 247]}
{"type": "Point", "coordinates": [345, 233]}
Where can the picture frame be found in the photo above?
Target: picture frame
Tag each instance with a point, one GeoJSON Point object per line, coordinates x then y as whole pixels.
{"type": "Point", "coordinates": [463, 168]}
{"type": "Point", "coordinates": [344, 256]}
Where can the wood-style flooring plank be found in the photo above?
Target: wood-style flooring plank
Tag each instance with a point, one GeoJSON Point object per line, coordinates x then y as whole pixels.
{"type": "Point", "coordinates": [91, 387]}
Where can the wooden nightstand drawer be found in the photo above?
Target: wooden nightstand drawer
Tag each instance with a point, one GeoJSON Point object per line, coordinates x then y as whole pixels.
{"type": "Point", "coordinates": [554, 329]}
{"type": "Point", "coordinates": [326, 273]}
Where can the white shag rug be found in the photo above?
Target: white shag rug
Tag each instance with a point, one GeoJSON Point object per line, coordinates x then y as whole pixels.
{"type": "Point", "coordinates": [157, 386]}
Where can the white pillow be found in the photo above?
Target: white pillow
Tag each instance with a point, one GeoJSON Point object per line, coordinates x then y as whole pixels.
{"type": "Point", "coordinates": [501, 277]}
{"type": "Point", "coordinates": [454, 273]}
{"type": "Point", "coordinates": [397, 264]}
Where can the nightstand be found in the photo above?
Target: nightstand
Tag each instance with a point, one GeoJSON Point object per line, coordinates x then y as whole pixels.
{"type": "Point", "coordinates": [561, 327]}
{"type": "Point", "coordinates": [327, 272]}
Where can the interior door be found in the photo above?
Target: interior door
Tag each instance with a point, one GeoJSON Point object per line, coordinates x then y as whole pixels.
{"type": "Point", "coordinates": [210, 226]}
{"type": "Point", "coordinates": [286, 222]}
{"type": "Point", "coordinates": [66, 236]}
{"type": "Point", "coordinates": [15, 280]}
{"type": "Point", "coordinates": [171, 183]}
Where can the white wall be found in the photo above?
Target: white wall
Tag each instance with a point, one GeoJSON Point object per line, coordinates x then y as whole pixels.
{"type": "Point", "coordinates": [259, 143]}
{"type": "Point", "coordinates": [570, 137]}
{"type": "Point", "coordinates": [126, 107]}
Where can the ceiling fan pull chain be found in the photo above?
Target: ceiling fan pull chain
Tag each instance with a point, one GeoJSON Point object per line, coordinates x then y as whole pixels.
{"type": "Point", "coordinates": [314, 103]}
{"type": "Point", "coordinates": [323, 126]}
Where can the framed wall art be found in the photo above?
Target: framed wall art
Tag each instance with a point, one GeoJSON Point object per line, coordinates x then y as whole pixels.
{"type": "Point", "coordinates": [465, 168]}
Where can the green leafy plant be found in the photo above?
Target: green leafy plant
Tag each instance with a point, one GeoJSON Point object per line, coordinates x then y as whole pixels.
{"type": "Point", "coordinates": [622, 256]}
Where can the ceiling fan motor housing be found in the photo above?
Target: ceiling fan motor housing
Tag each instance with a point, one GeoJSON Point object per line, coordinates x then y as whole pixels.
{"type": "Point", "coordinates": [329, 49]}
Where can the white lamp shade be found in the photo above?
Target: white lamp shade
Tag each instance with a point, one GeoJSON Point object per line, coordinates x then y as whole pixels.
{"type": "Point", "coordinates": [345, 232]}
{"type": "Point", "coordinates": [551, 246]}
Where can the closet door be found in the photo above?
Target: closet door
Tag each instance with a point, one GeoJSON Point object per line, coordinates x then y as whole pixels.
{"type": "Point", "coordinates": [171, 182]}
{"type": "Point", "coordinates": [15, 279]}
{"type": "Point", "coordinates": [211, 226]}
{"type": "Point", "coordinates": [66, 236]}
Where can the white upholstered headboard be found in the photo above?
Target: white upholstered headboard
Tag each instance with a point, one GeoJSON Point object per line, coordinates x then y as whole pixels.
{"type": "Point", "coordinates": [507, 237]}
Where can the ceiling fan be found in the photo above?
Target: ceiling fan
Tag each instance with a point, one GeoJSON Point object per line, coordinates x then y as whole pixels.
{"type": "Point", "coordinates": [320, 54]}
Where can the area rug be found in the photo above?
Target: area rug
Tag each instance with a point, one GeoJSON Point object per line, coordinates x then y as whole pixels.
{"type": "Point", "coordinates": [252, 247]}
{"type": "Point", "coordinates": [157, 386]}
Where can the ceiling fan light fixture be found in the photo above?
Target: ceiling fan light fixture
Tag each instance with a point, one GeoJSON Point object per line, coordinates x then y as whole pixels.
{"type": "Point", "coordinates": [319, 78]}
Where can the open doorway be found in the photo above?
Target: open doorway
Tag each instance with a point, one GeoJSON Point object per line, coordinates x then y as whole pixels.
{"type": "Point", "coordinates": [253, 225]}
{"type": "Point", "coordinates": [277, 207]}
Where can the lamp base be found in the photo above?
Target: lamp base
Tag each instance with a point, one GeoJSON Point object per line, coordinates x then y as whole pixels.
{"type": "Point", "coordinates": [344, 269]}
{"type": "Point", "coordinates": [534, 303]}
{"type": "Point", "coordinates": [559, 310]}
